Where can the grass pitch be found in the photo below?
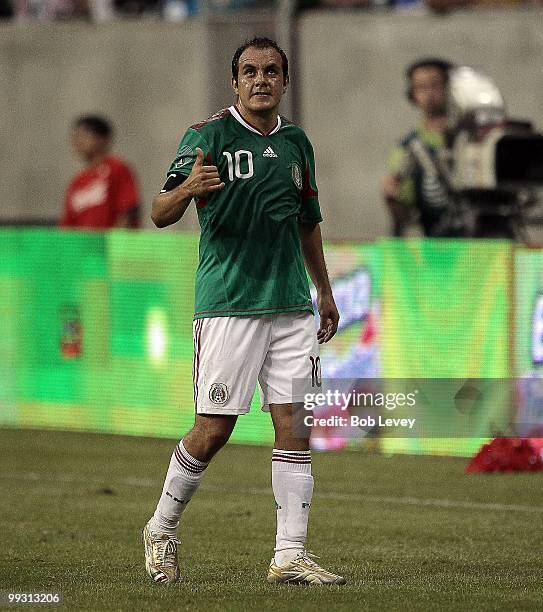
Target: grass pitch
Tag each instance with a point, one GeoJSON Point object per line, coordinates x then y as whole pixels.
{"type": "Point", "coordinates": [409, 533]}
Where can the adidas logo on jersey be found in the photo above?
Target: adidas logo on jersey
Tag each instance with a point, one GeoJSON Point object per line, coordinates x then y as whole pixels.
{"type": "Point", "coordinates": [269, 152]}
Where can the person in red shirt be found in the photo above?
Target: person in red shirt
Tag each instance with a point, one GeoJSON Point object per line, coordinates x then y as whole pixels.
{"type": "Point", "coordinates": [105, 193]}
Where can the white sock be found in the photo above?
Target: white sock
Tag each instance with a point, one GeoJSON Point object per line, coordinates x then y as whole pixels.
{"type": "Point", "coordinates": [292, 486]}
{"type": "Point", "coordinates": [182, 479]}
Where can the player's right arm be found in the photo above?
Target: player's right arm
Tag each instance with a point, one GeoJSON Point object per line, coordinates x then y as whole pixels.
{"type": "Point", "coordinates": [172, 202]}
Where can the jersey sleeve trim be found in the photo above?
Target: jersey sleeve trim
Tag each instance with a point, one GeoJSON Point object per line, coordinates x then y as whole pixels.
{"type": "Point", "coordinates": [304, 220]}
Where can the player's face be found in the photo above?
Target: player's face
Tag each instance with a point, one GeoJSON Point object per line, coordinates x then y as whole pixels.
{"type": "Point", "coordinates": [87, 144]}
{"type": "Point", "coordinates": [429, 91]}
{"type": "Point", "coordinates": [261, 82]}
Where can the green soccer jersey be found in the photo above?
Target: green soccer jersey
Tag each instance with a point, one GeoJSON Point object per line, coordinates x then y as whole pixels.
{"type": "Point", "coordinates": [251, 260]}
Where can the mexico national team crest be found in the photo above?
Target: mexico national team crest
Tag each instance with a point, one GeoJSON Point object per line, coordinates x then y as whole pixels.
{"type": "Point", "coordinates": [296, 175]}
{"type": "Point", "coordinates": [218, 393]}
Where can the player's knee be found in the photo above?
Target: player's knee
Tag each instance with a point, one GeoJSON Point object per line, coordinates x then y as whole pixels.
{"type": "Point", "coordinates": [211, 433]}
{"type": "Point", "coordinates": [212, 438]}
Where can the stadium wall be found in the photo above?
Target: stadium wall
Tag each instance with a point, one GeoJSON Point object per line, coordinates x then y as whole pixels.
{"type": "Point", "coordinates": [154, 78]}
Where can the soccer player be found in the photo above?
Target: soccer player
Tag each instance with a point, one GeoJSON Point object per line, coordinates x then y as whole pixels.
{"type": "Point", "coordinates": [105, 193]}
{"type": "Point", "coordinates": [251, 173]}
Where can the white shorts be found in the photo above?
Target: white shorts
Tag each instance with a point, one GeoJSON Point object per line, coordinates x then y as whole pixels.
{"type": "Point", "coordinates": [232, 353]}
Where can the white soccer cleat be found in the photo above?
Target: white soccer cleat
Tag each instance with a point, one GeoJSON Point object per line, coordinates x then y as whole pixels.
{"type": "Point", "coordinates": [160, 556]}
{"type": "Point", "coordinates": [302, 570]}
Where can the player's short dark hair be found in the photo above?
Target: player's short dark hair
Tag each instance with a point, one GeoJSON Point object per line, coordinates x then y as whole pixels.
{"type": "Point", "coordinates": [430, 62]}
{"type": "Point", "coordinates": [259, 42]}
{"type": "Point", "coordinates": [97, 124]}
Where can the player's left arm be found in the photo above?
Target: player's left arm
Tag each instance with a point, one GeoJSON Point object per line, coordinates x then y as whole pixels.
{"type": "Point", "coordinates": [311, 241]}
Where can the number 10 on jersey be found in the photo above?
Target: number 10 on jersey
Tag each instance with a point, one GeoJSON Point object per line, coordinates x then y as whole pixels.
{"type": "Point", "coordinates": [235, 164]}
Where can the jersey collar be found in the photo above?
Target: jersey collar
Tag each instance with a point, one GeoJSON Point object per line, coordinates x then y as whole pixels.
{"type": "Point", "coordinates": [235, 113]}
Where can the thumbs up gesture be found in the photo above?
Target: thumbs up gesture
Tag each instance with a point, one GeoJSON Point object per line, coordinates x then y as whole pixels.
{"type": "Point", "coordinates": [203, 179]}
{"type": "Point", "coordinates": [199, 157]}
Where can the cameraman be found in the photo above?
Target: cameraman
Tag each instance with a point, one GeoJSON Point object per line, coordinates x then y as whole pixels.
{"type": "Point", "coordinates": [416, 185]}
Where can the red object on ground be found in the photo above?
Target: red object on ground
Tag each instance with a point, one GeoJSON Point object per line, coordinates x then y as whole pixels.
{"type": "Point", "coordinates": [508, 455]}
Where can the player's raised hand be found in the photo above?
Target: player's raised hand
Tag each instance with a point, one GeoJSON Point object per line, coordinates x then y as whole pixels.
{"type": "Point", "coordinates": [202, 179]}
{"type": "Point", "coordinates": [329, 318]}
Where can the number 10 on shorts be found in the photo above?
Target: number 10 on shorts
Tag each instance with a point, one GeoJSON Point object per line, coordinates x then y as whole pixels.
{"type": "Point", "coordinates": [316, 377]}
